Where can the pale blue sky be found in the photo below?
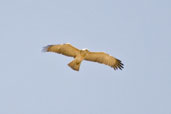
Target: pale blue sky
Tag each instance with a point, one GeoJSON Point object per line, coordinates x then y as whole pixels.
{"type": "Point", "coordinates": [138, 32]}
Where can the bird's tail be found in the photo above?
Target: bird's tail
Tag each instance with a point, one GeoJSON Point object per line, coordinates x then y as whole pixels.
{"type": "Point", "coordinates": [75, 65]}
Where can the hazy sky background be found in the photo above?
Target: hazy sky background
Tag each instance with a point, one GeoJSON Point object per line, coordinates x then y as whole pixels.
{"type": "Point", "coordinates": [138, 32]}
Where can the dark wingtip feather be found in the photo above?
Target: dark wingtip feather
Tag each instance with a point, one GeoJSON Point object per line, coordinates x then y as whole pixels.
{"type": "Point", "coordinates": [119, 65]}
{"type": "Point", "coordinates": [45, 49]}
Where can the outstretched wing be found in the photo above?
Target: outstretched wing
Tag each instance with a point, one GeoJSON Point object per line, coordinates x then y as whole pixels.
{"type": "Point", "coordinates": [65, 49]}
{"type": "Point", "coordinates": [104, 58]}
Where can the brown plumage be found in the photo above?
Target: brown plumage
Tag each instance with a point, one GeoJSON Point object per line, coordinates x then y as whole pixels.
{"type": "Point", "coordinates": [80, 55]}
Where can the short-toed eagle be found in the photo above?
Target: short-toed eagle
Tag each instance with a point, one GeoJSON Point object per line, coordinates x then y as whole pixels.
{"type": "Point", "coordinates": [84, 54]}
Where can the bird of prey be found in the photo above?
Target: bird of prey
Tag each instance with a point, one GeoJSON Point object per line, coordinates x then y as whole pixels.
{"type": "Point", "coordinates": [84, 54]}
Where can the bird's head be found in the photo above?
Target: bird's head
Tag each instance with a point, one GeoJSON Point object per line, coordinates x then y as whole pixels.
{"type": "Point", "coordinates": [84, 52]}
{"type": "Point", "coordinates": [85, 49]}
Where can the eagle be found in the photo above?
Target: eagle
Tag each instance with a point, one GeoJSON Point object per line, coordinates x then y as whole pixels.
{"type": "Point", "coordinates": [84, 54]}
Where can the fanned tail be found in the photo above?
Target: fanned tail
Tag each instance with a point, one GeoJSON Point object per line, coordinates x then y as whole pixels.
{"type": "Point", "coordinates": [75, 65]}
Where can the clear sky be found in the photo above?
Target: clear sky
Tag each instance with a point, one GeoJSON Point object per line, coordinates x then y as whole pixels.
{"type": "Point", "coordinates": [138, 32]}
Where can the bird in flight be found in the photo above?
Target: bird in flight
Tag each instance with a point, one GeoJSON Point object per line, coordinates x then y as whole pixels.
{"type": "Point", "coordinates": [84, 54]}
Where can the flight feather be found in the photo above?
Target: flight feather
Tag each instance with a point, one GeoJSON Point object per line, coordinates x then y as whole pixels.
{"type": "Point", "coordinates": [65, 49]}
{"type": "Point", "coordinates": [104, 58]}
